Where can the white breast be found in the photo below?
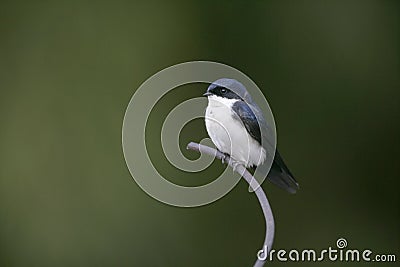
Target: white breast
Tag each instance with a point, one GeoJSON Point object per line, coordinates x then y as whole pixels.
{"type": "Point", "coordinates": [229, 134]}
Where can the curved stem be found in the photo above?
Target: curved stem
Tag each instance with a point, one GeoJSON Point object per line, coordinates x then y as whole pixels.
{"type": "Point", "coordinates": [262, 198]}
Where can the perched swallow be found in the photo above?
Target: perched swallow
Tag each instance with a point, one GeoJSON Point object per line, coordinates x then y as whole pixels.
{"type": "Point", "coordinates": [236, 124]}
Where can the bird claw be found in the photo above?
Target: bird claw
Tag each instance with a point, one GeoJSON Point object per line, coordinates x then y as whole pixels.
{"type": "Point", "coordinates": [225, 159]}
{"type": "Point", "coordinates": [235, 165]}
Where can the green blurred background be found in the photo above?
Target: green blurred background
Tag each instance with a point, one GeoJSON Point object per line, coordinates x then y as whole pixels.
{"type": "Point", "coordinates": [330, 70]}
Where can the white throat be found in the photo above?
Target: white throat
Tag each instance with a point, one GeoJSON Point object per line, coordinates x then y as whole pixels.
{"type": "Point", "coordinates": [218, 101]}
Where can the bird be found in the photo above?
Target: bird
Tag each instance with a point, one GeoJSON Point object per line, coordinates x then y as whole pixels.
{"type": "Point", "coordinates": [237, 127]}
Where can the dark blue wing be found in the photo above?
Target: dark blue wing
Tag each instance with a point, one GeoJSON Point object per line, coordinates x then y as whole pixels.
{"type": "Point", "coordinates": [246, 115]}
{"type": "Point", "coordinates": [279, 173]}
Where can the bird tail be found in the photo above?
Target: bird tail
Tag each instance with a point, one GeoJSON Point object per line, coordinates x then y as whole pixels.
{"type": "Point", "coordinates": [279, 174]}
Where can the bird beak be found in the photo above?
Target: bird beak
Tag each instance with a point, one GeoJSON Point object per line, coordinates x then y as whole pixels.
{"type": "Point", "coordinates": [207, 94]}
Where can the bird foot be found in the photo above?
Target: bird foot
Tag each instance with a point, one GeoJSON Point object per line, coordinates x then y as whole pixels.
{"type": "Point", "coordinates": [225, 159]}
{"type": "Point", "coordinates": [235, 165]}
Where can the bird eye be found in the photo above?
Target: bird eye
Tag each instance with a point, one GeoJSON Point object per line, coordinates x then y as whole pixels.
{"type": "Point", "coordinates": [223, 90]}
